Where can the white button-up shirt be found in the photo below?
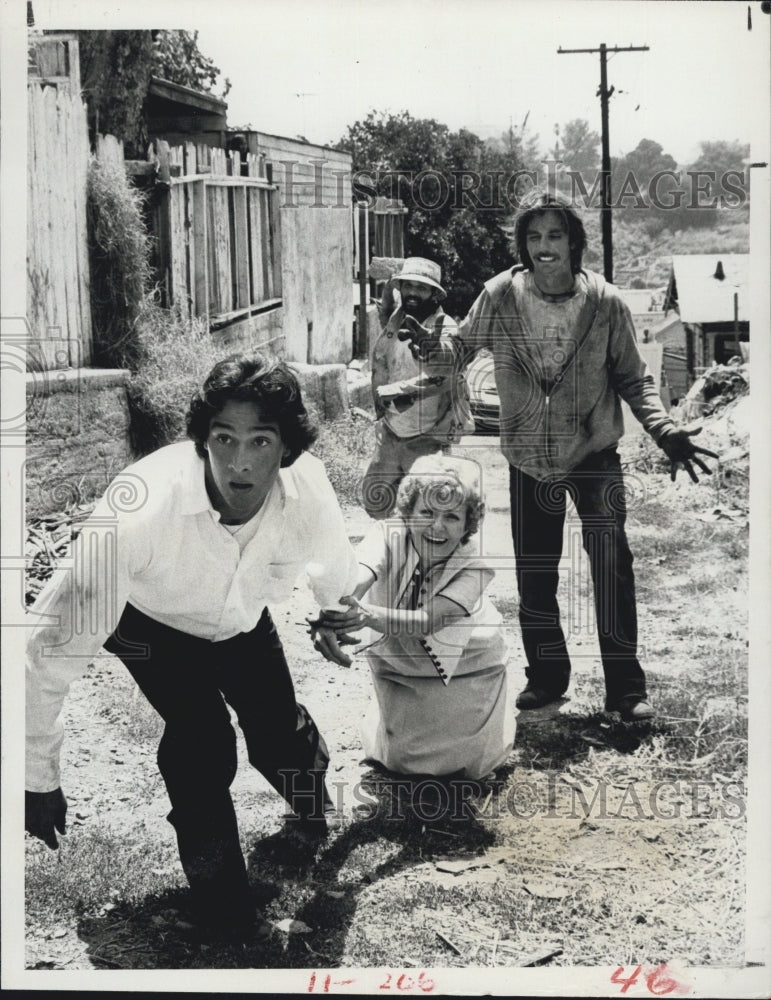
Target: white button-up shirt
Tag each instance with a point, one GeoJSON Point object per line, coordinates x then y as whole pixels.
{"type": "Point", "coordinates": [155, 541]}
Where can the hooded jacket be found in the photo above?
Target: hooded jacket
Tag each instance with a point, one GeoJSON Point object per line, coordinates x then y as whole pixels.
{"type": "Point", "coordinates": [547, 429]}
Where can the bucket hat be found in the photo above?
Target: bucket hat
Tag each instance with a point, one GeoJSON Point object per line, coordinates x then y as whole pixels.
{"type": "Point", "coordinates": [427, 272]}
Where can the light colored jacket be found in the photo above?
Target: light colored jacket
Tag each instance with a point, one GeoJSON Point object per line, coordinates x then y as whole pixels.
{"type": "Point", "coordinates": [432, 393]}
{"type": "Point", "coordinates": [548, 431]}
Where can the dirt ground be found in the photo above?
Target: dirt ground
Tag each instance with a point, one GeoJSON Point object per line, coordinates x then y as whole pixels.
{"type": "Point", "coordinates": [590, 889]}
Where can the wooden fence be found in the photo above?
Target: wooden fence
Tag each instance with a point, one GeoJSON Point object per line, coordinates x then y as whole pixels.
{"type": "Point", "coordinates": [217, 223]}
{"type": "Point", "coordinates": [58, 304]}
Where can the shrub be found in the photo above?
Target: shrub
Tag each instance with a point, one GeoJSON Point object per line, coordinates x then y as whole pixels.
{"type": "Point", "coordinates": [119, 257]}
{"type": "Point", "coordinates": [176, 355]}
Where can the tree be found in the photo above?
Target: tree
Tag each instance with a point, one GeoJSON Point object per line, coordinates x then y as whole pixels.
{"type": "Point", "coordinates": [519, 144]}
{"type": "Point", "coordinates": [179, 60]}
{"type": "Point", "coordinates": [721, 158]}
{"type": "Point", "coordinates": [115, 71]}
{"type": "Point", "coordinates": [631, 175]}
{"type": "Point", "coordinates": [577, 146]}
{"type": "Point", "coordinates": [447, 181]}
{"type": "Point", "coordinates": [631, 184]}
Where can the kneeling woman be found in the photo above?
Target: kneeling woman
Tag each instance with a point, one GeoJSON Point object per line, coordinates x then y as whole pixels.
{"type": "Point", "coordinates": [439, 667]}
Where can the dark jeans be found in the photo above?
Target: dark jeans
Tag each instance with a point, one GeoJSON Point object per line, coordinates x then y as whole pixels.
{"type": "Point", "coordinates": [188, 680]}
{"type": "Point", "coordinates": [537, 521]}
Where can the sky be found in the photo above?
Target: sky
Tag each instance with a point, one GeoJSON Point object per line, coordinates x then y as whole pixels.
{"type": "Point", "coordinates": [313, 67]}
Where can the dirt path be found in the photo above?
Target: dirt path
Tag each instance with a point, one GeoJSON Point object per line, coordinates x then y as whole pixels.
{"type": "Point", "coordinates": [606, 888]}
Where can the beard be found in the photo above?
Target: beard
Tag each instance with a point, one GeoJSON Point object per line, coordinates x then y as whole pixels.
{"type": "Point", "coordinates": [419, 309]}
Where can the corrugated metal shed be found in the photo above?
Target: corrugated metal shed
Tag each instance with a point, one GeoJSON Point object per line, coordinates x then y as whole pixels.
{"type": "Point", "coordinates": [701, 295]}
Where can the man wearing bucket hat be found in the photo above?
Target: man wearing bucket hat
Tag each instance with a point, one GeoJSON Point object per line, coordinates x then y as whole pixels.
{"type": "Point", "coordinates": [422, 405]}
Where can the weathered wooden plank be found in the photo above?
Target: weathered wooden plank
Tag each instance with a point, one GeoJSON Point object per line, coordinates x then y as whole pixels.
{"type": "Point", "coordinates": [73, 48]}
{"type": "Point", "coordinates": [51, 58]}
{"type": "Point", "coordinates": [200, 257]}
{"type": "Point", "coordinates": [219, 163]}
{"type": "Point", "coordinates": [190, 159]}
{"type": "Point", "coordinates": [255, 244]}
{"type": "Point", "coordinates": [241, 248]}
{"type": "Point", "coordinates": [220, 287]}
{"type": "Point", "coordinates": [265, 246]}
{"type": "Point", "coordinates": [86, 331]}
{"type": "Point", "coordinates": [53, 318]}
{"type": "Point", "coordinates": [177, 289]}
{"type": "Point", "coordinates": [65, 183]}
{"type": "Point", "coordinates": [275, 286]}
{"type": "Point", "coordinates": [164, 161]}
{"type": "Point", "coordinates": [225, 181]}
{"type": "Point", "coordinates": [36, 279]}
{"type": "Point", "coordinates": [188, 209]}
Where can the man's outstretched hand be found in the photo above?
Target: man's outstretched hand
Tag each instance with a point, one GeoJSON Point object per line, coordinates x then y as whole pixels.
{"type": "Point", "coordinates": [680, 450]}
{"type": "Point", "coordinates": [420, 337]}
{"type": "Point", "coordinates": [328, 642]}
{"type": "Point", "coordinates": [44, 813]}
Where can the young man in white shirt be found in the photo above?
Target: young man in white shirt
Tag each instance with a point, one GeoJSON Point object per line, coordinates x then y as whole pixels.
{"type": "Point", "coordinates": [173, 573]}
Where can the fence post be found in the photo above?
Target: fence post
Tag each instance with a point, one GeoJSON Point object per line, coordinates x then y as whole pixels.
{"type": "Point", "coordinates": [360, 347]}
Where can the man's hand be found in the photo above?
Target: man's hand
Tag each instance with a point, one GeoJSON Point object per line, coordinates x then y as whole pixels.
{"type": "Point", "coordinates": [44, 813]}
{"type": "Point", "coordinates": [420, 337]}
{"type": "Point", "coordinates": [327, 640]}
{"type": "Point", "coordinates": [401, 396]}
{"type": "Point", "coordinates": [680, 450]}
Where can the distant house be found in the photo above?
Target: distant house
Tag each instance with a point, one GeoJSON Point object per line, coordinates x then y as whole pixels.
{"type": "Point", "coordinates": [710, 295]}
{"type": "Point", "coordinates": [646, 306]}
{"type": "Point", "coordinates": [670, 333]}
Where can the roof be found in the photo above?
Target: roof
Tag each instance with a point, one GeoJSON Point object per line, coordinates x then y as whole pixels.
{"type": "Point", "coordinates": [299, 140]}
{"type": "Point", "coordinates": [669, 322]}
{"type": "Point", "coordinates": [186, 96]}
{"type": "Point", "coordinates": [642, 300]}
{"type": "Point", "coordinates": [700, 296]}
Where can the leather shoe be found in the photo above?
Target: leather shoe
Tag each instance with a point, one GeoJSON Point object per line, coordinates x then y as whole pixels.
{"type": "Point", "coordinates": [636, 711]}
{"type": "Point", "coordinates": [535, 697]}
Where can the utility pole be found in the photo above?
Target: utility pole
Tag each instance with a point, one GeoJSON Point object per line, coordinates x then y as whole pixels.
{"type": "Point", "coordinates": [605, 94]}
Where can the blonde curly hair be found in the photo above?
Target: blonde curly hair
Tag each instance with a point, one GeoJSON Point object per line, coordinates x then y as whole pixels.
{"type": "Point", "coordinates": [445, 481]}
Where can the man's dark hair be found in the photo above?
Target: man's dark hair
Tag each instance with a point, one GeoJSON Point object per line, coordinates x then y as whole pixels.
{"type": "Point", "coordinates": [271, 385]}
{"type": "Point", "coordinates": [536, 203]}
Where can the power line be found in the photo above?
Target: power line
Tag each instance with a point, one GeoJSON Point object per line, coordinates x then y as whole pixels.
{"type": "Point", "coordinates": [605, 94]}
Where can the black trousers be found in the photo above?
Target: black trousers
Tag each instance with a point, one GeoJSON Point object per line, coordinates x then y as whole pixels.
{"type": "Point", "coordinates": [188, 681]}
{"type": "Point", "coordinates": [537, 521]}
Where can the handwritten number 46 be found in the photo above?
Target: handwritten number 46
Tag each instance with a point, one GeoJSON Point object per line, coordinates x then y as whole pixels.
{"type": "Point", "coordinates": [659, 982]}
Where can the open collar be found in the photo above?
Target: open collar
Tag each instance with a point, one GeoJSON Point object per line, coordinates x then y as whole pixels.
{"type": "Point", "coordinates": [194, 498]}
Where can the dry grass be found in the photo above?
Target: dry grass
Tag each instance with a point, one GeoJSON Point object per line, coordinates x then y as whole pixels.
{"type": "Point", "coordinates": [606, 843]}
{"type": "Point", "coordinates": [345, 446]}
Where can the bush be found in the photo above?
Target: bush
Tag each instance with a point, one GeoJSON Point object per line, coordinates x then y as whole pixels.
{"type": "Point", "coordinates": [176, 355]}
{"type": "Point", "coordinates": [119, 258]}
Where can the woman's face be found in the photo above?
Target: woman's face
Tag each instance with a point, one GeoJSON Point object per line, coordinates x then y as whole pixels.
{"type": "Point", "coordinates": [437, 523]}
